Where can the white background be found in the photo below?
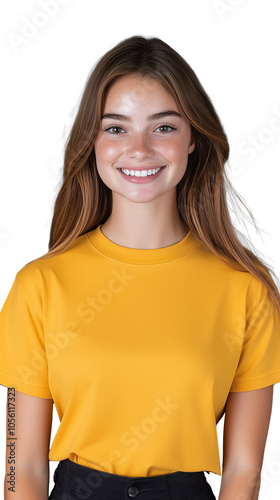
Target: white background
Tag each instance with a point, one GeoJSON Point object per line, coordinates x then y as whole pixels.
{"type": "Point", "coordinates": [232, 45]}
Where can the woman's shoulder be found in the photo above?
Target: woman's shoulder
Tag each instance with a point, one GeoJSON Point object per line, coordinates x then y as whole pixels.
{"type": "Point", "coordinates": [40, 268]}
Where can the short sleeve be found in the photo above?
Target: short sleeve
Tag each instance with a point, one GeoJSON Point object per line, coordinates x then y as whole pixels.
{"type": "Point", "coordinates": [259, 362]}
{"type": "Point", "coordinates": [23, 361]}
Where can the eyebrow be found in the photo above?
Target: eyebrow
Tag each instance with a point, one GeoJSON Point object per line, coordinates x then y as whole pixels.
{"type": "Point", "coordinates": [156, 116]}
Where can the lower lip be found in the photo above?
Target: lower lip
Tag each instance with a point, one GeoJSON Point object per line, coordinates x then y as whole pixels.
{"type": "Point", "coordinates": [141, 180]}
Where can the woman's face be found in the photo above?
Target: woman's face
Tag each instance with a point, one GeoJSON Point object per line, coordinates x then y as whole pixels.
{"type": "Point", "coordinates": [144, 141]}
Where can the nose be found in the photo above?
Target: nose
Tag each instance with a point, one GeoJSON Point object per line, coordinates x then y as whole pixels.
{"type": "Point", "coordinates": [139, 146]}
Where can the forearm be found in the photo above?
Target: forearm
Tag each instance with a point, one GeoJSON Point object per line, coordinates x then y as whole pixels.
{"type": "Point", "coordinates": [29, 486]}
{"type": "Point", "coordinates": [240, 486]}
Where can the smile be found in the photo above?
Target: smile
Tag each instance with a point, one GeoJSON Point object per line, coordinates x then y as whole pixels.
{"type": "Point", "coordinates": [140, 173]}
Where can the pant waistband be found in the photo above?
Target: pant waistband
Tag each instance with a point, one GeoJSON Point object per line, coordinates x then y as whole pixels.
{"type": "Point", "coordinates": [88, 483]}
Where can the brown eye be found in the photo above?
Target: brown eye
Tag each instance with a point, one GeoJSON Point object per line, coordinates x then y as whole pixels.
{"type": "Point", "coordinates": [165, 128]}
{"type": "Point", "coordinates": [114, 130]}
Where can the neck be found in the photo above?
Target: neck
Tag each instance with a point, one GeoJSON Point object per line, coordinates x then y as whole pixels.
{"type": "Point", "coordinates": [155, 224]}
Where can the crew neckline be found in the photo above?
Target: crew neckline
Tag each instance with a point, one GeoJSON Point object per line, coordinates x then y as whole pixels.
{"type": "Point", "coordinates": [138, 255]}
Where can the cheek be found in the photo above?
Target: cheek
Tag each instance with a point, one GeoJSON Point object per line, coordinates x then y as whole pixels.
{"type": "Point", "coordinates": [177, 152]}
{"type": "Point", "coordinates": [106, 151]}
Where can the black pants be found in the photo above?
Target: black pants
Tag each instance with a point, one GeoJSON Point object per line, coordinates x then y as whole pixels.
{"type": "Point", "coordinates": [76, 482]}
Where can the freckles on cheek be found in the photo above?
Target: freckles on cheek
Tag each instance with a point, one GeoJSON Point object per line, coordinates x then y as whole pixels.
{"type": "Point", "coordinates": [176, 150]}
{"type": "Point", "coordinates": [112, 152]}
{"type": "Point", "coordinates": [107, 150]}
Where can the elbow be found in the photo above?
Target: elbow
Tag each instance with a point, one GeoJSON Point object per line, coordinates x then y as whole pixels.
{"type": "Point", "coordinates": [240, 483]}
{"type": "Point", "coordinates": [247, 474]}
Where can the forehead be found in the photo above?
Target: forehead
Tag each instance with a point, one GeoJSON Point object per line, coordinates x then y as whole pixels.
{"type": "Point", "coordinates": [134, 92]}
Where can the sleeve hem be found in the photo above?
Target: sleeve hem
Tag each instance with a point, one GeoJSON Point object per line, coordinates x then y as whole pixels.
{"type": "Point", "coordinates": [11, 381]}
{"type": "Point", "coordinates": [257, 383]}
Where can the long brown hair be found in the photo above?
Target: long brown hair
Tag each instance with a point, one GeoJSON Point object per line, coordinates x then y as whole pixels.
{"type": "Point", "coordinates": [84, 201]}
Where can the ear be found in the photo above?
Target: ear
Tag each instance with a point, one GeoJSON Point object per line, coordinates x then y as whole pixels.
{"type": "Point", "coordinates": [191, 147]}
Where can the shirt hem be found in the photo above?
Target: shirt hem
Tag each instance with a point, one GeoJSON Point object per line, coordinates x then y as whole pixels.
{"type": "Point", "coordinates": [10, 381]}
{"type": "Point", "coordinates": [257, 383]}
{"type": "Point", "coordinates": [94, 465]}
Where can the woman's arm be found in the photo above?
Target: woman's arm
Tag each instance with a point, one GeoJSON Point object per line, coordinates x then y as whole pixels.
{"type": "Point", "coordinates": [246, 426]}
{"type": "Point", "coordinates": [28, 439]}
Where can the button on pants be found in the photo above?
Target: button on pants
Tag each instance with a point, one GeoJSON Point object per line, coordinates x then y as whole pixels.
{"type": "Point", "coordinates": [76, 482]}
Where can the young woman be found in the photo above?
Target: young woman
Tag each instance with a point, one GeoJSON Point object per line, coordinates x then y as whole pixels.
{"type": "Point", "coordinates": [147, 320]}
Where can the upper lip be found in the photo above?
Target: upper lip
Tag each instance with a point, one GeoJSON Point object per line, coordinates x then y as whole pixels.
{"type": "Point", "coordinates": [148, 167]}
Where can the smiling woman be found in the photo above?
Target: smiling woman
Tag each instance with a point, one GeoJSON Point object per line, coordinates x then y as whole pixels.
{"type": "Point", "coordinates": [147, 320]}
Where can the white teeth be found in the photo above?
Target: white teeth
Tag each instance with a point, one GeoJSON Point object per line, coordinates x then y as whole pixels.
{"type": "Point", "coordinates": [140, 173]}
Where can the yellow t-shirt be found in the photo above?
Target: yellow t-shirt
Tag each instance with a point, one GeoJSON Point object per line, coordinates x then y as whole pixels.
{"type": "Point", "coordinates": [138, 349]}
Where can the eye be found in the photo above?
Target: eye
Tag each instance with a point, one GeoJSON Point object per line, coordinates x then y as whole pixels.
{"type": "Point", "coordinates": [165, 129]}
{"type": "Point", "coordinates": [114, 130]}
